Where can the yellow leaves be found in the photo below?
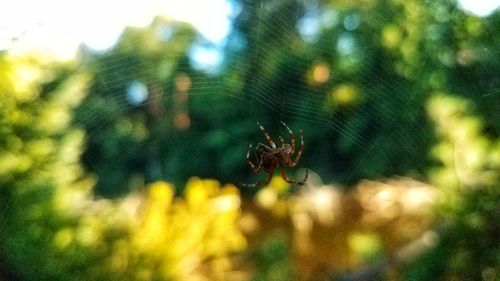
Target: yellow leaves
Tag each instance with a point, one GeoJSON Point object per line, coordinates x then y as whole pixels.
{"type": "Point", "coordinates": [118, 262]}
{"type": "Point", "coordinates": [55, 114]}
{"type": "Point", "coordinates": [266, 198]}
{"type": "Point", "coordinates": [88, 233]}
{"type": "Point", "coordinates": [364, 246]}
{"type": "Point", "coordinates": [273, 198]}
{"type": "Point", "coordinates": [153, 229]}
{"type": "Point", "coordinates": [199, 191]}
{"type": "Point", "coordinates": [25, 77]}
{"type": "Point", "coordinates": [279, 184]}
{"type": "Point", "coordinates": [15, 116]}
{"type": "Point", "coordinates": [14, 163]}
{"type": "Point", "coordinates": [181, 233]}
{"type": "Point", "coordinates": [63, 237]}
{"type": "Point", "coordinates": [465, 154]}
{"type": "Point", "coordinates": [54, 119]}
{"type": "Point", "coordinates": [21, 84]}
{"type": "Point", "coordinates": [161, 192]}
{"type": "Point", "coordinates": [40, 148]}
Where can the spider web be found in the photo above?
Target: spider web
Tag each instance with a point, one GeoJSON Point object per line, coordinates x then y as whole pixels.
{"type": "Point", "coordinates": [313, 114]}
{"type": "Point", "coordinates": [277, 67]}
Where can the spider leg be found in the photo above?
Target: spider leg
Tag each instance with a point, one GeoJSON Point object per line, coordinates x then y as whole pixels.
{"type": "Point", "coordinates": [266, 134]}
{"type": "Point", "coordinates": [262, 183]}
{"type": "Point", "coordinates": [282, 141]}
{"type": "Point", "coordinates": [262, 147]}
{"type": "Point", "coordinates": [299, 152]}
{"type": "Point", "coordinates": [292, 137]}
{"type": "Point", "coordinates": [285, 177]}
{"type": "Point", "coordinates": [256, 169]}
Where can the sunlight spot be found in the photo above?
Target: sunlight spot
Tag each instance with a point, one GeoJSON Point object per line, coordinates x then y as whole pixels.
{"type": "Point", "coordinates": [225, 203]}
{"type": "Point", "coordinates": [302, 222]}
{"type": "Point", "coordinates": [322, 203]}
{"type": "Point", "coordinates": [346, 44]}
{"type": "Point", "coordinates": [136, 93]}
{"type": "Point", "coordinates": [344, 94]}
{"type": "Point", "coordinates": [182, 83]}
{"type": "Point", "coordinates": [329, 18]}
{"type": "Point", "coordinates": [309, 27]}
{"type": "Point", "coordinates": [418, 199]}
{"type": "Point", "coordinates": [321, 72]}
{"type": "Point", "coordinates": [182, 120]}
{"type": "Point", "coordinates": [386, 195]}
{"type": "Point", "coordinates": [482, 8]}
{"type": "Point", "coordinates": [266, 198]}
{"type": "Point", "coordinates": [207, 58]}
{"type": "Point", "coordinates": [430, 238]}
{"type": "Point", "coordinates": [351, 22]}
{"type": "Point", "coordinates": [392, 36]}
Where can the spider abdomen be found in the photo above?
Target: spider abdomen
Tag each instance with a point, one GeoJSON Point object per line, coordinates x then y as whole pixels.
{"type": "Point", "coordinates": [268, 161]}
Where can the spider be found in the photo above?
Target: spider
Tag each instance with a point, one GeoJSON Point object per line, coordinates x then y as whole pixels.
{"type": "Point", "coordinates": [270, 157]}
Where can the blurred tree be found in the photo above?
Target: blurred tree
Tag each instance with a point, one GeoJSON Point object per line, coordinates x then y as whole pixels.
{"type": "Point", "coordinates": [138, 97]}
{"type": "Point", "coordinates": [359, 83]}
{"type": "Point", "coordinates": [52, 228]}
{"type": "Point", "coordinates": [40, 174]}
{"type": "Point", "coordinates": [469, 174]}
{"type": "Point", "coordinates": [367, 85]}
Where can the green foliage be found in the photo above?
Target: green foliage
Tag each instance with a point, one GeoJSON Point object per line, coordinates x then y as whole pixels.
{"type": "Point", "coordinates": [468, 177]}
{"type": "Point", "coordinates": [125, 139]}
{"type": "Point", "coordinates": [273, 259]}
{"type": "Point", "coordinates": [52, 228]}
{"type": "Point", "coordinates": [40, 174]}
{"type": "Point", "coordinates": [372, 110]}
{"type": "Point", "coordinates": [366, 119]}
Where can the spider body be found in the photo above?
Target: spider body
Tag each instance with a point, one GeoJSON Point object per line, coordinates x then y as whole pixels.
{"type": "Point", "coordinates": [270, 157]}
